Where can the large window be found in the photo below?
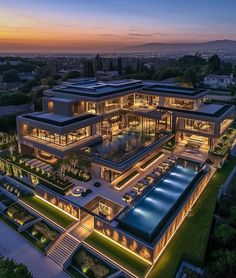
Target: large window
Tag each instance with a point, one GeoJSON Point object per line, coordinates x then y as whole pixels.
{"type": "Point", "coordinates": [196, 125]}
{"type": "Point", "coordinates": [137, 101]}
{"type": "Point", "coordinates": [112, 104]}
{"type": "Point", "coordinates": [179, 103]}
{"type": "Point", "coordinates": [226, 123]}
{"type": "Point", "coordinates": [61, 140]}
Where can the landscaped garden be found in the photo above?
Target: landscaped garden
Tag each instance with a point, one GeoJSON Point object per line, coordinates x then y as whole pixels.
{"type": "Point", "coordinates": [225, 143]}
{"type": "Point", "coordinates": [54, 214]}
{"type": "Point", "coordinates": [18, 215]}
{"type": "Point", "coordinates": [7, 140]}
{"type": "Point", "coordinates": [54, 181]}
{"type": "Point", "coordinates": [89, 265]}
{"type": "Point", "coordinates": [221, 259]}
{"type": "Point", "coordinates": [17, 191]}
{"type": "Point", "coordinates": [41, 235]}
{"type": "Point", "coordinates": [118, 254]}
{"type": "Point", "coordinates": [190, 241]}
{"type": "Point", "coordinates": [75, 166]}
{"type": "Point", "coordinates": [170, 145]}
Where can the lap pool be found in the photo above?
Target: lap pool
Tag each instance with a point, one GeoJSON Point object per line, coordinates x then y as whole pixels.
{"type": "Point", "coordinates": [147, 217]}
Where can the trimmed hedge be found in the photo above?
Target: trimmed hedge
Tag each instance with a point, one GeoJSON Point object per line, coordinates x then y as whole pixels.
{"type": "Point", "coordinates": [148, 162]}
{"type": "Point", "coordinates": [126, 179]}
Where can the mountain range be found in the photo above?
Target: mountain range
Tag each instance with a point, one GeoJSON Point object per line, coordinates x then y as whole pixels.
{"type": "Point", "coordinates": [219, 45]}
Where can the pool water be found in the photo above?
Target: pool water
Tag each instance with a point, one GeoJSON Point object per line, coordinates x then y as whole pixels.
{"type": "Point", "coordinates": [146, 218]}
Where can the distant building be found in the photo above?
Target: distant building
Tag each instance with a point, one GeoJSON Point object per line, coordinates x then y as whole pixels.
{"type": "Point", "coordinates": [26, 75]}
{"type": "Point", "coordinates": [219, 81]}
{"type": "Point", "coordinates": [106, 75]}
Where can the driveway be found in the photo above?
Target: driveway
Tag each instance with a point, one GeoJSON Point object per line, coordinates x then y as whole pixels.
{"type": "Point", "coordinates": [15, 247]}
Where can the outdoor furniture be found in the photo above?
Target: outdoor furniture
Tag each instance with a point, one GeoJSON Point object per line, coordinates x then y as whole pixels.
{"type": "Point", "coordinates": [97, 184]}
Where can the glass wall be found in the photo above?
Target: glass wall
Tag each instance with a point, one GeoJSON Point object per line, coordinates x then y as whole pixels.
{"type": "Point", "coordinates": [108, 174]}
{"type": "Point", "coordinates": [60, 140]}
{"type": "Point", "coordinates": [226, 123]}
{"type": "Point", "coordinates": [179, 103]}
{"type": "Point", "coordinates": [196, 125]}
{"type": "Point", "coordinates": [141, 101]}
{"type": "Point", "coordinates": [112, 104]}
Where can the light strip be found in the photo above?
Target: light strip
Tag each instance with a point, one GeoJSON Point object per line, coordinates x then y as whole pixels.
{"type": "Point", "coordinates": [56, 207]}
{"type": "Point", "coordinates": [178, 226]}
{"type": "Point", "coordinates": [111, 260]}
{"type": "Point", "coordinates": [41, 214]}
{"type": "Point", "coordinates": [127, 249]}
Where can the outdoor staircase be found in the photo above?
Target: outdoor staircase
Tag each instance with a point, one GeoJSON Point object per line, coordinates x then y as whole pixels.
{"type": "Point", "coordinates": [63, 249]}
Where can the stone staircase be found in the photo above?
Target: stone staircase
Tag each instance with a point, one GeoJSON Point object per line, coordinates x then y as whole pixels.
{"type": "Point", "coordinates": [63, 249]}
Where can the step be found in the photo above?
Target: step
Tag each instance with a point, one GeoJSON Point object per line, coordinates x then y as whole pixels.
{"type": "Point", "coordinates": [64, 248]}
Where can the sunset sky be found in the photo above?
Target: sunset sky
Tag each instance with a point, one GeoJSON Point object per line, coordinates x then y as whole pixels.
{"type": "Point", "coordinates": [87, 25]}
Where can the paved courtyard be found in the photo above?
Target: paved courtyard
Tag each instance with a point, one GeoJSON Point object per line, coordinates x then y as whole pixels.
{"type": "Point", "coordinates": [15, 247]}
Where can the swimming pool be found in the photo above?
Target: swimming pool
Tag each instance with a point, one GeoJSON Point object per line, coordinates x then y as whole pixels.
{"type": "Point", "coordinates": [146, 218]}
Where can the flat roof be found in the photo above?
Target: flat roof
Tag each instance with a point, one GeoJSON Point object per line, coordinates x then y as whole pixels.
{"type": "Point", "coordinates": [94, 89]}
{"type": "Point", "coordinates": [58, 120]}
{"type": "Point", "coordinates": [216, 111]}
{"type": "Point", "coordinates": [174, 90]}
{"type": "Point", "coordinates": [210, 108]}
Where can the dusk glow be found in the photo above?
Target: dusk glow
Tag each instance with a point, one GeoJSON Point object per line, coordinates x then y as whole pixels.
{"type": "Point", "coordinates": [109, 25]}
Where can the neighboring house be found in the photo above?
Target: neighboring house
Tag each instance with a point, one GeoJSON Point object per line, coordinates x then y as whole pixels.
{"type": "Point", "coordinates": [26, 76]}
{"type": "Point", "coordinates": [219, 81]}
{"type": "Point", "coordinates": [106, 75]}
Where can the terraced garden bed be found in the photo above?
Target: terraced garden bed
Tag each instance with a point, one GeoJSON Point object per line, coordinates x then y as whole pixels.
{"type": "Point", "coordinates": [41, 235]}
{"type": "Point", "coordinates": [18, 215]}
{"type": "Point", "coordinates": [54, 214]}
{"type": "Point", "coordinates": [87, 264]}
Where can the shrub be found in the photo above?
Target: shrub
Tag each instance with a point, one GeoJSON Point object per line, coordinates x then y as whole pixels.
{"type": "Point", "coordinates": [225, 235]}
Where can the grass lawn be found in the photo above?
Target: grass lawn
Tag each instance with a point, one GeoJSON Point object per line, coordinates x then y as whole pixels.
{"type": "Point", "coordinates": [118, 254]}
{"type": "Point", "coordinates": [192, 238]}
{"type": "Point", "coordinates": [51, 212]}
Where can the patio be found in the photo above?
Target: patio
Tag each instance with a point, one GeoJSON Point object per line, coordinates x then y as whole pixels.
{"type": "Point", "coordinates": [108, 191]}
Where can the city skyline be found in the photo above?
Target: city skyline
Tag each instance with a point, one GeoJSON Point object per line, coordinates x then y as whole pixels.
{"type": "Point", "coordinates": [111, 25]}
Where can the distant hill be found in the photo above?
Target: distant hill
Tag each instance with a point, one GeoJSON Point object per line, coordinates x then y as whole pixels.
{"type": "Point", "coordinates": [224, 45]}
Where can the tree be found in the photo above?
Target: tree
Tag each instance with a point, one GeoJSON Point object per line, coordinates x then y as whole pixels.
{"type": "Point", "coordinates": [191, 60]}
{"type": "Point", "coordinates": [226, 68]}
{"type": "Point", "coordinates": [111, 67]}
{"type": "Point", "coordinates": [190, 75]}
{"type": "Point", "coordinates": [169, 72]}
{"type": "Point", "coordinates": [10, 269]}
{"type": "Point", "coordinates": [88, 70]}
{"type": "Point", "coordinates": [10, 76]}
{"type": "Point", "coordinates": [225, 235]}
{"type": "Point", "coordinates": [232, 216]}
{"type": "Point", "coordinates": [98, 63]}
{"type": "Point", "coordinates": [213, 64]}
{"type": "Point", "coordinates": [223, 263]}
{"type": "Point", "coordinates": [73, 74]}
{"type": "Point", "coordinates": [119, 65]}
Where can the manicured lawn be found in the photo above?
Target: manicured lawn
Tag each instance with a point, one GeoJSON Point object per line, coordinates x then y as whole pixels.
{"type": "Point", "coordinates": [191, 240]}
{"type": "Point", "coordinates": [118, 254]}
{"type": "Point", "coordinates": [49, 211]}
